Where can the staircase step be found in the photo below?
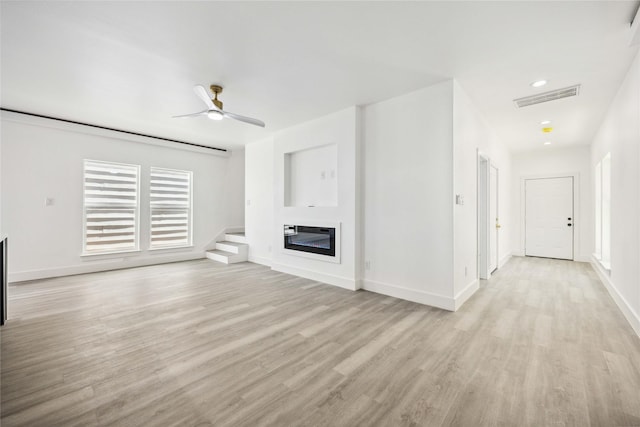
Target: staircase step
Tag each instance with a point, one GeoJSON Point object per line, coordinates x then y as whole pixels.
{"type": "Point", "coordinates": [237, 237]}
{"type": "Point", "coordinates": [236, 248]}
{"type": "Point", "coordinates": [226, 257]}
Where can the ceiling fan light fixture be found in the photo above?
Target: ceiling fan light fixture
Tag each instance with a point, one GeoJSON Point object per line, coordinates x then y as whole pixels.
{"type": "Point", "coordinates": [214, 115]}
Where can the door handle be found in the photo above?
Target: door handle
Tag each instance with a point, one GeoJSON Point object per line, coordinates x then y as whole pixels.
{"type": "Point", "coordinates": [568, 225]}
{"type": "Point", "coordinates": [498, 226]}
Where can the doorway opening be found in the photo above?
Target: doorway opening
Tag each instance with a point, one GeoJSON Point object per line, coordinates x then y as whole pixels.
{"type": "Point", "coordinates": [488, 224]}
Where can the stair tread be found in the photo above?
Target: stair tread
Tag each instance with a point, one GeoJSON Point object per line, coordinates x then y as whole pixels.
{"type": "Point", "coordinates": [237, 233]}
{"type": "Point", "coordinates": [238, 245]}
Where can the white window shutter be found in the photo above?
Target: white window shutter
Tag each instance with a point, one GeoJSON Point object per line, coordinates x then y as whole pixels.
{"type": "Point", "coordinates": [110, 207]}
{"type": "Point", "coordinates": [170, 198]}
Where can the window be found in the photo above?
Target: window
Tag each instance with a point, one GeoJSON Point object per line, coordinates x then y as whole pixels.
{"type": "Point", "coordinates": [110, 207]}
{"type": "Point", "coordinates": [170, 198]}
{"type": "Point", "coordinates": [603, 211]}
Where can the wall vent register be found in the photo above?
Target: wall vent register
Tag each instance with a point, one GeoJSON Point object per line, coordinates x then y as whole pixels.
{"type": "Point", "coordinates": [316, 240]}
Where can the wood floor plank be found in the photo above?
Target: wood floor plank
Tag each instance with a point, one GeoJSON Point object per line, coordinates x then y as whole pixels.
{"type": "Point", "coordinates": [198, 343]}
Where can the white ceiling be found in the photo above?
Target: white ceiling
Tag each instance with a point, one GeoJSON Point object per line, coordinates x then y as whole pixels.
{"type": "Point", "coordinates": [131, 65]}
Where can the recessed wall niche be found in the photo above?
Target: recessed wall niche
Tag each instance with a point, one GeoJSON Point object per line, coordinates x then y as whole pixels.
{"type": "Point", "coordinates": [311, 177]}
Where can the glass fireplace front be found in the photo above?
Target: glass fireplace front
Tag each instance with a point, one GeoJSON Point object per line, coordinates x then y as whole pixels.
{"type": "Point", "coordinates": [317, 240]}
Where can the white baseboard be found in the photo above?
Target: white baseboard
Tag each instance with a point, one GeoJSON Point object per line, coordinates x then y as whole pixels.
{"type": "Point", "coordinates": [413, 295]}
{"type": "Point", "coordinates": [628, 312]}
{"type": "Point", "coordinates": [505, 259]}
{"type": "Point", "coordinates": [466, 293]}
{"type": "Point", "coordinates": [518, 252]}
{"type": "Point", "coordinates": [103, 265]}
{"type": "Point", "coordinates": [260, 260]}
{"type": "Point", "coordinates": [582, 258]}
{"type": "Point", "coordinates": [343, 282]}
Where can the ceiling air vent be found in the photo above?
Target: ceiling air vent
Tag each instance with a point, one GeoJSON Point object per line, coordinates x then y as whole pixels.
{"type": "Point", "coordinates": [547, 96]}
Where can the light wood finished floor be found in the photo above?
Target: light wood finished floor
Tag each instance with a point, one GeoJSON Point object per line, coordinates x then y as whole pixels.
{"type": "Point", "coordinates": [199, 344]}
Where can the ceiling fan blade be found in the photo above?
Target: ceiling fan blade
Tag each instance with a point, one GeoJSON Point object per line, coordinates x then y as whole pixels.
{"type": "Point", "coordinates": [202, 94]}
{"type": "Point", "coordinates": [243, 119]}
{"type": "Point", "coordinates": [201, 113]}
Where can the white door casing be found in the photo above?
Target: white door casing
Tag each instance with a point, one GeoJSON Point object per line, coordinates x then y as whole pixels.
{"type": "Point", "coordinates": [494, 225]}
{"type": "Point", "coordinates": [549, 217]}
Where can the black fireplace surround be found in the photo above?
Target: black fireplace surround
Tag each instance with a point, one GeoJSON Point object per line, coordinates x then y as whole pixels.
{"type": "Point", "coordinates": [316, 240]}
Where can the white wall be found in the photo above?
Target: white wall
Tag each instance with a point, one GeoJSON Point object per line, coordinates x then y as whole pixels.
{"type": "Point", "coordinates": [619, 134]}
{"type": "Point", "coordinates": [408, 224]}
{"type": "Point", "coordinates": [551, 161]}
{"type": "Point", "coordinates": [259, 194]}
{"type": "Point", "coordinates": [415, 149]}
{"type": "Point", "coordinates": [44, 159]}
{"type": "Point", "coordinates": [342, 129]}
{"type": "Point", "coordinates": [471, 134]}
{"type": "Point", "coordinates": [234, 189]}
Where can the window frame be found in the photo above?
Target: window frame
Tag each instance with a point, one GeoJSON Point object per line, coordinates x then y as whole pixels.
{"type": "Point", "coordinates": [136, 232]}
{"type": "Point", "coordinates": [189, 243]}
{"type": "Point", "coordinates": [602, 220]}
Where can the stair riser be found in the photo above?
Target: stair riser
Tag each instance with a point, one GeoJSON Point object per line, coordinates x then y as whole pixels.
{"type": "Point", "coordinates": [242, 250]}
{"type": "Point", "coordinates": [235, 238]}
{"type": "Point", "coordinates": [227, 259]}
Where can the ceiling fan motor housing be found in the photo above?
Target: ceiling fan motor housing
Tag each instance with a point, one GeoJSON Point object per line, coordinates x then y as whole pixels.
{"type": "Point", "coordinates": [216, 90]}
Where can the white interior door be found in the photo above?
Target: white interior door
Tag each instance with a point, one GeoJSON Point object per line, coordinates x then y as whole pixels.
{"type": "Point", "coordinates": [494, 225]}
{"type": "Point", "coordinates": [549, 217]}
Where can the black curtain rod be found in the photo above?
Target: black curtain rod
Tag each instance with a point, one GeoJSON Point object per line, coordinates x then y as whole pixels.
{"type": "Point", "coordinates": [111, 129]}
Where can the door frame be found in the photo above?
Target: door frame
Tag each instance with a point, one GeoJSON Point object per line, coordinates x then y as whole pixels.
{"type": "Point", "coordinates": [483, 164]}
{"type": "Point", "coordinates": [577, 220]}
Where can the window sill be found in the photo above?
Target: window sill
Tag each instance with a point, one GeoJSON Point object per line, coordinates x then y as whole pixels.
{"type": "Point", "coordinates": [168, 248]}
{"type": "Point", "coordinates": [85, 254]}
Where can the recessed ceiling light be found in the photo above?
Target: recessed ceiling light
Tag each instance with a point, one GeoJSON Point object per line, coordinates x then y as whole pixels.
{"type": "Point", "coordinates": [545, 122]}
{"type": "Point", "coordinates": [547, 143]}
{"type": "Point", "coordinates": [539, 83]}
{"type": "Point", "coordinates": [547, 130]}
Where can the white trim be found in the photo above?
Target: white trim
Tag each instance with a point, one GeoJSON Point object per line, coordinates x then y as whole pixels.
{"type": "Point", "coordinates": [105, 133]}
{"type": "Point", "coordinates": [110, 264]}
{"type": "Point", "coordinates": [414, 295]}
{"type": "Point", "coordinates": [465, 294]}
{"type": "Point", "coordinates": [97, 254]}
{"type": "Point", "coordinates": [342, 282]}
{"type": "Point", "coordinates": [632, 317]}
{"type": "Point", "coordinates": [577, 220]}
{"type": "Point", "coordinates": [505, 259]}
{"type": "Point", "coordinates": [260, 260]}
{"type": "Point", "coordinates": [482, 214]}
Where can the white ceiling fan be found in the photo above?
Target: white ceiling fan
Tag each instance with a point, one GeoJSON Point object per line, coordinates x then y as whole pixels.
{"type": "Point", "coordinates": [214, 107]}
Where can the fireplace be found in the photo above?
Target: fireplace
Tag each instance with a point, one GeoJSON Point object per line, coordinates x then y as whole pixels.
{"type": "Point", "coordinates": [315, 240]}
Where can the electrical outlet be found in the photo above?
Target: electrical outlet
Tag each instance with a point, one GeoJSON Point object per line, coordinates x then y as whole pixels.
{"type": "Point", "coordinates": [367, 265]}
{"type": "Point", "coordinates": [48, 201]}
{"type": "Point", "coordinates": [248, 202]}
{"type": "Point", "coordinates": [465, 271]}
{"type": "Point", "coordinates": [323, 175]}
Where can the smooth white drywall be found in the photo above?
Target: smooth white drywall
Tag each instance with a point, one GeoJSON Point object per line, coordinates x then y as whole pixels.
{"type": "Point", "coordinates": [43, 159]}
{"type": "Point", "coordinates": [551, 162]}
{"type": "Point", "coordinates": [259, 194]}
{"type": "Point", "coordinates": [619, 134]}
{"type": "Point", "coordinates": [471, 134]}
{"type": "Point", "coordinates": [341, 129]}
{"type": "Point", "coordinates": [407, 206]}
{"type": "Point", "coordinates": [311, 177]}
{"type": "Point", "coordinates": [234, 189]}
